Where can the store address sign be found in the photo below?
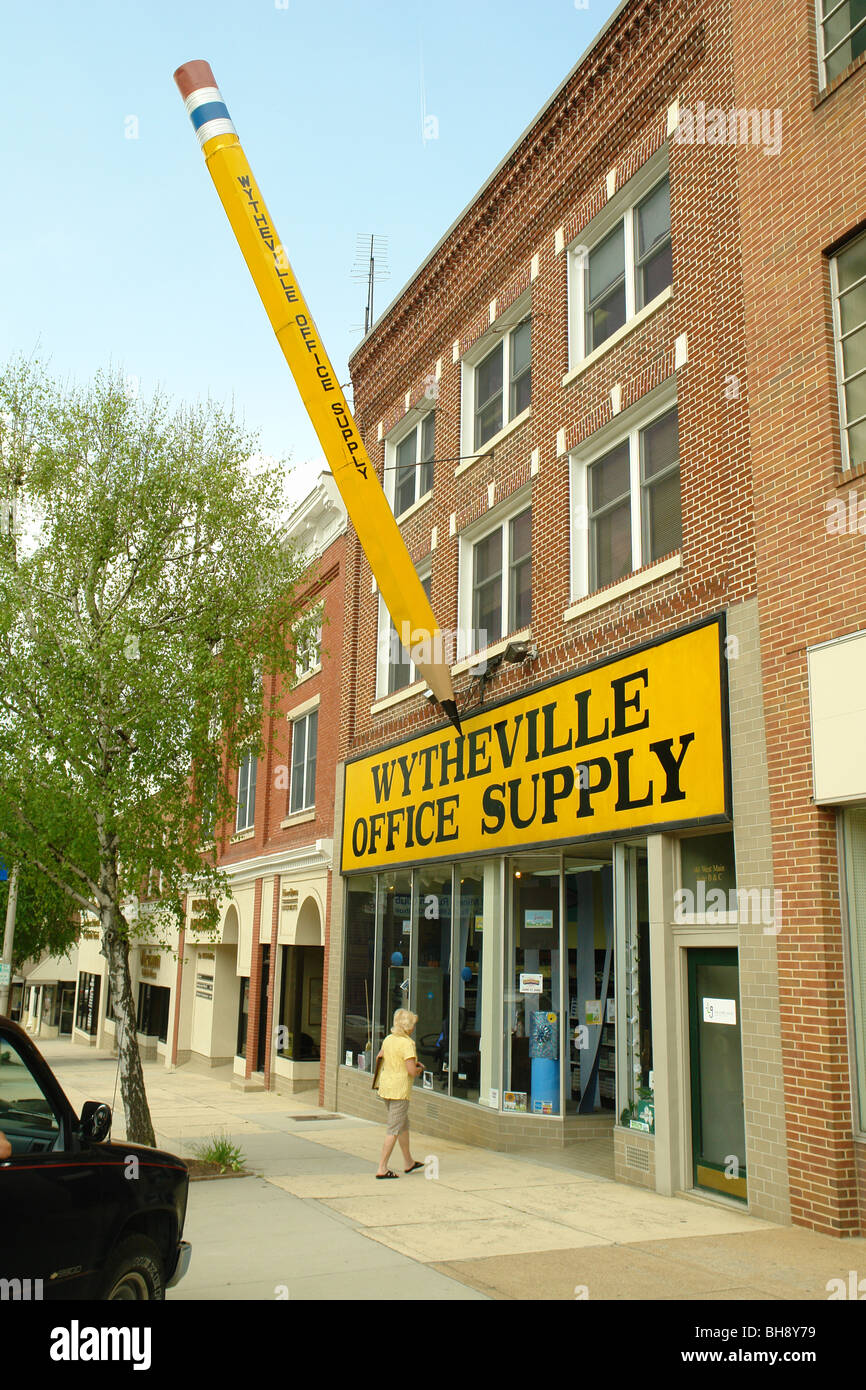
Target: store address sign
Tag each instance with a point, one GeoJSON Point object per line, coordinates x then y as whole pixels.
{"type": "Point", "coordinates": [635, 743]}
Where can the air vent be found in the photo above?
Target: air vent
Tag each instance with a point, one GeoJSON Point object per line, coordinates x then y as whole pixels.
{"type": "Point", "coordinates": [637, 1158]}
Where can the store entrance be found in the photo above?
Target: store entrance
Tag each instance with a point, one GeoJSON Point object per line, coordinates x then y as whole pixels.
{"type": "Point", "coordinates": [716, 1068]}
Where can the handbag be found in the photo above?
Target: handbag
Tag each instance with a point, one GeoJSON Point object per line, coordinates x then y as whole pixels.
{"type": "Point", "coordinates": [375, 1082]}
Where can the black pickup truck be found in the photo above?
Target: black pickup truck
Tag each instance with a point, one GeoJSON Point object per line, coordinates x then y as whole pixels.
{"type": "Point", "coordinates": [80, 1217]}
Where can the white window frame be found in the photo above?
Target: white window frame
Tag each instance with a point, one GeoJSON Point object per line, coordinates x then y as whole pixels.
{"type": "Point", "coordinates": [414, 420]}
{"type": "Point", "coordinates": [823, 55]}
{"type": "Point", "coordinates": [303, 721]}
{"type": "Point", "coordinates": [497, 518]}
{"type": "Point", "coordinates": [316, 615]}
{"type": "Point", "coordinates": [625, 427]}
{"type": "Point", "coordinates": [383, 628]}
{"type": "Point", "coordinates": [844, 423]}
{"type": "Point", "coordinates": [619, 209]}
{"type": "Point", "coordinates": [247, 763]}
{"type": "Point", "coordinates": [501, 331]}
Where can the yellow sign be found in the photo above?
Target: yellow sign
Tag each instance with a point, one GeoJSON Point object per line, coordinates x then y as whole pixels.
{"type": "Point", "coordinates": [637, 743]}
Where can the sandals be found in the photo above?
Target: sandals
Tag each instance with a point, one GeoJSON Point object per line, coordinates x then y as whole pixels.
{"type": "Point", "coordinates": [415, 1167]}
{"type": "Point", "coordinates": [389, 1174]}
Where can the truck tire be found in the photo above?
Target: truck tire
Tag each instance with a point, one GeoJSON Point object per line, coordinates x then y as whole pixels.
{"type": "Point", "coordinates": [134, 1272]}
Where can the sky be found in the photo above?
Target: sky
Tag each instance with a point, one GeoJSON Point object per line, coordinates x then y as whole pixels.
{"type": "Point", "coordinates": [357, 117]}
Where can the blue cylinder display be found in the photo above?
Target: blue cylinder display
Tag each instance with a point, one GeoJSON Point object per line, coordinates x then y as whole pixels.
{"type": "Point", "coordinates": [544, 1052]}
{"type": "Point", "coordinates": [545, 1086]}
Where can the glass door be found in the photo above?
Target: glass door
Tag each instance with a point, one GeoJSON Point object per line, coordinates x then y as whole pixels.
{"type": "Point", "coordinates": [716, 1068]}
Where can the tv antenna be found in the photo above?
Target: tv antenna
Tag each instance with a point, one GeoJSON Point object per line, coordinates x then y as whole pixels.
{"type": "Point", "coordinates": [371, 264]}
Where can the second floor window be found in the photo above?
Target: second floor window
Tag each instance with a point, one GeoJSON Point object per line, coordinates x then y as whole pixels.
{"type": "Point", "coordinates": [413, 477]}
{"type": "Point", "coordinates": [246, 793]}
{"type": "Point", "coordinates": [632, 504]}
{"type": "Point", "coordinates": [848, 271]}
{"type": "Point", "coordinates": [302, 795]}
{"type": "Point", "coordinates": [503, 383]}
{"type": "Point", "coordinates": [396, 670]}
{"type": "Point", "coordinates": [501, 581]}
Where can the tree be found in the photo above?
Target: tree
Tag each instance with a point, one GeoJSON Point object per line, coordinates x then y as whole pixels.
{"type": "Point", "coordinates": [44, 921]}
{"type": "Point", "coordinates": [145, 602]}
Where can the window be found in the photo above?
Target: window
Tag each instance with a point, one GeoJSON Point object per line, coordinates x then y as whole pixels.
{"type": "Point", "coordinates": [309, 645]}
{"type": "Point", "coordinates": [626, 504]}
{"type": "Point", "coordinates": [153, 1009]}
{"type": "Point", "coordinates": [87, 1011]}
{"type": "Point", "coordinates": [854, 840]}
{"type": "Point", "coordinates": [501, 384]}
{"type": "Point", "coordinates": [412, 462]}
{"type": "Point", "coordinates": [841, 35]}
{"type": "Point", "coordinates": [395, 670]}
{"type": "Point", "coordinates": [246, 792]}
{"type": "Point", "coordinates": [626, 266]}
{"type": "Point", "coordinates": [303, 789]}
{"type": "Point", "coordinates": [496, 581]}
{"type": "Point", "coordinates": [848, 276]}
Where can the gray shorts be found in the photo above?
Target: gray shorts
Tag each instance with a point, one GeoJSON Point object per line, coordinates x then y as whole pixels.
{"type": "Point", "coordinates": [398, 1116]}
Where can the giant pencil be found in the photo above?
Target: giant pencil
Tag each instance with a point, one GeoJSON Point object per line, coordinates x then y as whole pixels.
{"type": "Point", "coordinates": [316, 380]}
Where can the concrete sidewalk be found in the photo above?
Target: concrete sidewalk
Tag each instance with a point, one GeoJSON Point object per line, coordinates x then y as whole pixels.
{"type": "Point", "coordinates": [315, 1223]}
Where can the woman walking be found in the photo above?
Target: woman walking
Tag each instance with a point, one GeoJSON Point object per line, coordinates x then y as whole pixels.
{"type": "Point", "coordinates": [400, 1066]}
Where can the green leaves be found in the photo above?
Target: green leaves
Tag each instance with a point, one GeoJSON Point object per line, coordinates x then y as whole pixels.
{"type": "Point", "coordinates": [145, 604]}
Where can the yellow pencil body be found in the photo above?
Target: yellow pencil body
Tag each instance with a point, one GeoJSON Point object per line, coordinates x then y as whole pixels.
{"type": "Point", "coordinates": [316, 380]}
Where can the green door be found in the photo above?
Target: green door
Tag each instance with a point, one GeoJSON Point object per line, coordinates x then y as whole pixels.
{"type": "Point", "coordinates": [716, 1066]}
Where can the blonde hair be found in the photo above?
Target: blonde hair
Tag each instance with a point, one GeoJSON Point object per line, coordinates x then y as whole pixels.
{"type": "Point", "coordinates": [404, 1022]}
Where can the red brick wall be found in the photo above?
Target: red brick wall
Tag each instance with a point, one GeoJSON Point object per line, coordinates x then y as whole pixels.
{"type": "Point", "coordinates": [812, 585]}
{"type": "Point", "coordinates": [325, 587]}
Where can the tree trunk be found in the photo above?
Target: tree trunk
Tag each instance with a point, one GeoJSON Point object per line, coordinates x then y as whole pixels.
{"type": "Point", "coordinates": [115, 948]}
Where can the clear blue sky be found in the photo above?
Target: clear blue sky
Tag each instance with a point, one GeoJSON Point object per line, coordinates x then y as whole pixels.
{"type": "Point", "coordinates": [111, 246]}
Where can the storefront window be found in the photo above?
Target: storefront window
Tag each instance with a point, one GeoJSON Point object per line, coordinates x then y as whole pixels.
{"type": "Point", "coordinates": [87, 1012]}
{"type": "Point", "coordinates": [590, 1083]}
{"type": "Point", "coordinates": [533, 1007]}
{"type": "Point", "coordinates": [300, 1010]}
{"type": "Point", "coordinates": [243, 1015]}
{"type": "Point", "coordinates": [432, 993]}
{"type": "Point", "coordinates": [854, 823]}
{"type": "Point", "coordinates": [395, 948]}
{"type": "Point", "coordinates": [476, 974]}
{"type": "Point", "coordinates": [153, 1009]}
{"type": "Point", "coordinates": [359, 986]}
{"type": "Point", "coordinates": [638, 1006]}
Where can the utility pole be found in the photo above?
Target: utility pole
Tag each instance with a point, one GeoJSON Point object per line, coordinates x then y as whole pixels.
{"type": "Point", "coordinates": [8, 940]}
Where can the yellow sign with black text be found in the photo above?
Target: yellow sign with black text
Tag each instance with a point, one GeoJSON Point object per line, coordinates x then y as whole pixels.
{"type": "Point", "coordinates": [636, 743]}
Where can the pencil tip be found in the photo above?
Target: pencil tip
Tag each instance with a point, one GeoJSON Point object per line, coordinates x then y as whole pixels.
{"type": "Point", "coordinates": [450, 708]}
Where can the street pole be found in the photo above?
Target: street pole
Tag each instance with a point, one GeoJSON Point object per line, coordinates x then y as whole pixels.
{"type": "Point", "coordinates": [8, 938]}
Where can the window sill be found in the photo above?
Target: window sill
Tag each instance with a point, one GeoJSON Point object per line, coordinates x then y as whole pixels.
{"type": "Point", "coordinates": [298, 818]}
{"type": "Point", "coordinates": [415, 507]}
{"type": "Point", "coordinates": [609, 343]}
{"type": "Point", "coordinates": [494, 649]}
{"type": "Point", "coordinates": [307, 675]}
{"type": "Point", "coordinates": [243, 835]}
{"type": "Point", "coordinates": [494, 441]}
{"type": "Point", "coordinates": [831, 87]}
{"type": "Point", "coordinates": [398, 697]}
{"type": "Point", "coordinates": [625, 586]}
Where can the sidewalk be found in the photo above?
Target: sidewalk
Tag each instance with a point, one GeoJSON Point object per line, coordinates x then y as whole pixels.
{"type": "Point", "coordinates": [475, 1223]}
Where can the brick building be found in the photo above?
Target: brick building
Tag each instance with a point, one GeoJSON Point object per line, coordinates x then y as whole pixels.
{"type": "Point", "coordinates": [254, 993]}
{"type": "Point", "coordinates": [613, 903]}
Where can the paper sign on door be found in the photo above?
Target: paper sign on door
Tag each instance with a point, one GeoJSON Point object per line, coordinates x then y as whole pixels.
{"type": "Point", "coordinates": [720, 1010]}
